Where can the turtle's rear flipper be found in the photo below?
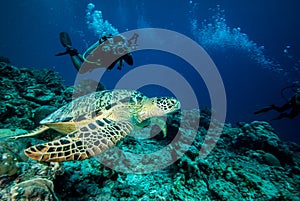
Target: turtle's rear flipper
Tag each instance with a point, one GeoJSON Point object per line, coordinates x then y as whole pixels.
{"type": "Point", "coordinates": [36, 131]}
{"type": "Point", "coordinates": [89, 140]}
{"type": "Point", "coordinates": [65, 39]}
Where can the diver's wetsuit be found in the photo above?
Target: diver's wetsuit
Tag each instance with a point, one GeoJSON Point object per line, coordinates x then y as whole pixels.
{"type": "Point", "coordinates": [77, 59]}
{"type": "Point", "coordinates": [293, 104]}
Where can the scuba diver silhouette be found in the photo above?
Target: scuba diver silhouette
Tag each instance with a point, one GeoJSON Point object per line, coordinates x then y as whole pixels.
{"type": "Point", "coordinates": [108, 58]}
{"type": "Point", "coordinates": [293, 103]}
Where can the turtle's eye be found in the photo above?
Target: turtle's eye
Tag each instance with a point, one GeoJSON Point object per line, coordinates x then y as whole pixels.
{"type": "Point", "coordinates": [172, 101]}
{"type": "Point", "coordinates": [173, 104]}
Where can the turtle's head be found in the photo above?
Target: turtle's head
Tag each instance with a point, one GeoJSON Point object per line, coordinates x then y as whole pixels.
{"type": "Point", "coordinates": [165, 105]}
{"type": "Point", "coordinates": [155, 107]}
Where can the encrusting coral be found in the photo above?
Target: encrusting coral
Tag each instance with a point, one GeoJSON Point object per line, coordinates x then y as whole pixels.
{"type": "Point", "coordinates": [34, 189]}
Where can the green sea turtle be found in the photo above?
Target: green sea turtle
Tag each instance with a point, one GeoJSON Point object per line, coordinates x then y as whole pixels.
{"type": "Point", "coordinates": [95, 122]}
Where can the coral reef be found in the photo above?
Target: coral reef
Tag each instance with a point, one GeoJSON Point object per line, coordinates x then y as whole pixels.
{"type": "Point", "coordinates": [34, 189]}
{"type": "Point", "coordinates": [23, 91]}
{"type": "Point", "coordinates": [23, 179]}
{"type": "Point", "coordinates": [4, 59]}
{"type": "Point", "coordinates": [8, 165]}
{"type": "Point", "coordinates": [249, 161]}
{"type": "Point", "coordinates": [230, 172]}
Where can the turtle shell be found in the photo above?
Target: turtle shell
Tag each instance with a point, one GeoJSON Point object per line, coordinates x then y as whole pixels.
{"type": "Point", "coordinates": [90, 105]}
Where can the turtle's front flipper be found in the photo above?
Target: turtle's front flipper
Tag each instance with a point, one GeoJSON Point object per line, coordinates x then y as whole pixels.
{"type": "Point", "coordinates": [36, 131]}
{"type": "Point", "coordinates": [161, 124]}
{"type": "Point", "coordinates": [87, 141]}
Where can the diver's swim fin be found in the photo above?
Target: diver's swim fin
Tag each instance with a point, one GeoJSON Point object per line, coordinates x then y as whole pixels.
{"type": "Point", "coordinates": [66, 42]}
{"type": "Point", "coordinates": [65, 39]}
{"type": "Point", "coordinates": [281, 116]}
{"type": "Point", "coordinates": [62, 53]}
{"type": "Point", "coordinates": [128, 59]}
{"type": "Point", "coordinates": [265, 109]}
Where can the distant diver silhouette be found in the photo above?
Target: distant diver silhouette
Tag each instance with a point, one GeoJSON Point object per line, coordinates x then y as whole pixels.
{"type": "Point", "coordinates": [293, 103]}
{"type": "Point", "coordinates": [112, 51]}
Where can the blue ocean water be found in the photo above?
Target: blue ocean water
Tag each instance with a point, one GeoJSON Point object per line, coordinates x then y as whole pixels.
{"type": "Point", "coordinates": [255, 44]}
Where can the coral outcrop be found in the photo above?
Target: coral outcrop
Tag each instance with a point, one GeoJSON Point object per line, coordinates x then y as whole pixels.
{"type": "Point", "coordinates": [34, 189]}
{"type": "Point", "coordinates": [4, 59]}
{"type": "Point", "coordinates": [23, 91]}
